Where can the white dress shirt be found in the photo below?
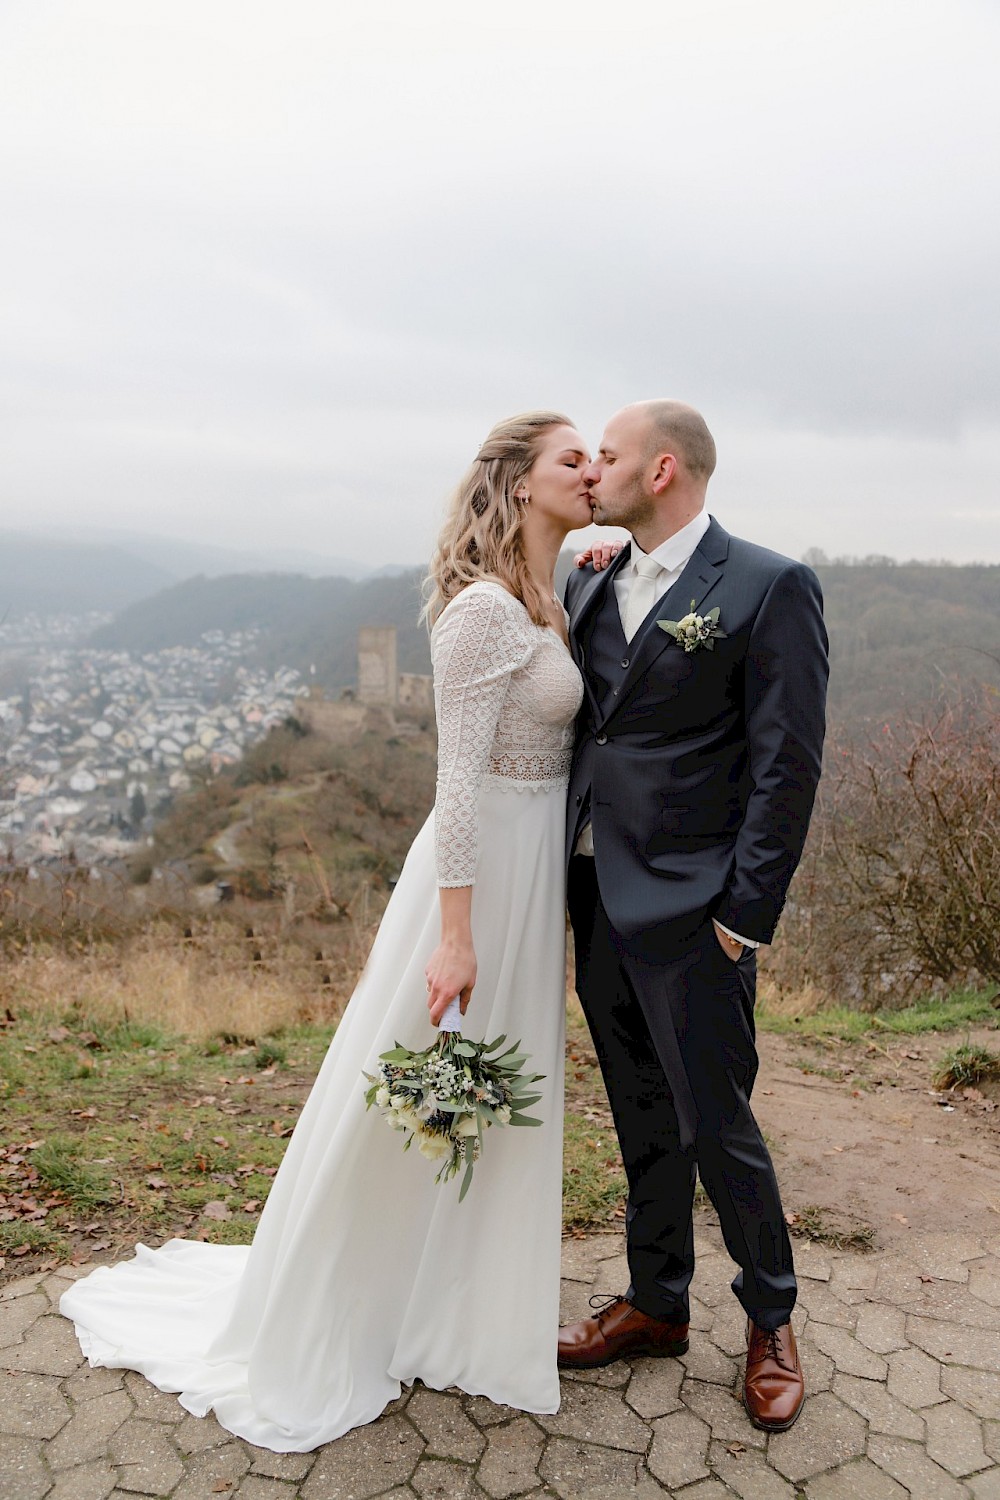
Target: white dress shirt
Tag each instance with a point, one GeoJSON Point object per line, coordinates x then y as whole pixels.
{"type": "Point", "coordinates": [673, 555]}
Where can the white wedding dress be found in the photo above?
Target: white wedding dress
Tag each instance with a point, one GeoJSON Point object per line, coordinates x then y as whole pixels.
{"type": "Point", "coordinates": [364, 1274]}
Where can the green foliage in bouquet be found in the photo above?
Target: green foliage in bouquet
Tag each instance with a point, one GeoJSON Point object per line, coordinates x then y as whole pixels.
{"type": "Point", "coordinates": [446, 1096]}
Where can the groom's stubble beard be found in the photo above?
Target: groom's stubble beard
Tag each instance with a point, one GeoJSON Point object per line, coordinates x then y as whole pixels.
{"type": "Point", "coordinates": [633, 506]}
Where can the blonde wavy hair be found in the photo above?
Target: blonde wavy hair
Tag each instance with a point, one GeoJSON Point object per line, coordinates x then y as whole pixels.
{"type": "Point", "coordinates": [481, 536]}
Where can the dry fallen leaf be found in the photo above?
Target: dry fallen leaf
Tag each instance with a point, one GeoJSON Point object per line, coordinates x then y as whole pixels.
{"type": "Point", "coordinates": [216, 1210]}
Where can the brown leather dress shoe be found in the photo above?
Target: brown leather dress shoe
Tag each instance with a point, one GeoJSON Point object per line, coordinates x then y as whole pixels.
{"type": "Point", "coordinates": [773, 1387]}
{"type": "Point", "coordinates": [616, 1331]}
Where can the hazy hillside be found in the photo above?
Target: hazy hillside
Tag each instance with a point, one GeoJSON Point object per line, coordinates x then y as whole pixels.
{"type": "Point", "coordinates": [900, 634]}
{"type": "Point", "coordinates": [903, 634]}
{"type": "Point", "coordinates": [309, 622]}
{"type": "Point", "coordinates": [43, 577]}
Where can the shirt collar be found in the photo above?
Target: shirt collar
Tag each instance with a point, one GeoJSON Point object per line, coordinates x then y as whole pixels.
{"type": "Point", "coordinates": [678, 549]}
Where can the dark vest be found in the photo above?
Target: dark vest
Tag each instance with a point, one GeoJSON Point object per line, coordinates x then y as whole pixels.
{"type": "Point", "coordinates": [607, 653]}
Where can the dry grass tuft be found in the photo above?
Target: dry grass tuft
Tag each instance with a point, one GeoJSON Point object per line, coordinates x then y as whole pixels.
{"type": "Point", "coordinates": [223, 983]}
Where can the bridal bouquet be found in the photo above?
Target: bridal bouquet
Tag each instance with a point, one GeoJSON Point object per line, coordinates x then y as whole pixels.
{"type": "Point", "coordinates": [446, 1096]}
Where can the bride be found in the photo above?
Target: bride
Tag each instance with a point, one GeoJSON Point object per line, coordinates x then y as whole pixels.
{"type": "Point", "coordinates": [364, 1275]}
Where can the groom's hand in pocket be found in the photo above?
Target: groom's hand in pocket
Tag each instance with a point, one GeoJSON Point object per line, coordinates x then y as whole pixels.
{"type": "Point", "coordinates": [731, 947]}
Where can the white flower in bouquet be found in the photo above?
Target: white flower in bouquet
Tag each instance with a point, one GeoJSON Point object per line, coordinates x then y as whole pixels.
{"type": "Point", "coordinates": [448, 1095]}
{"type": "Point", "coordinates": [432, 1145]}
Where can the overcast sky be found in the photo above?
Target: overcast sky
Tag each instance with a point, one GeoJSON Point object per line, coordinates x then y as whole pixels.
{"type": "Point", "coordinates": [270, 271]}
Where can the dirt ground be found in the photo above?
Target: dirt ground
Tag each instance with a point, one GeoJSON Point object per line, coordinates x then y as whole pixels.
{"type": "Point", "coordinates": [858, 1130]}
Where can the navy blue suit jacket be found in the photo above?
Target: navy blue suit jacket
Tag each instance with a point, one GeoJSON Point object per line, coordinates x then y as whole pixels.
{"type": "Point", "coordinates": [700, 774]}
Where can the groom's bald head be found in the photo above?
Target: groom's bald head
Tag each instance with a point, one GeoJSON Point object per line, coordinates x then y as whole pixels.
{"type": "Point", "coordinates": [673, 427]}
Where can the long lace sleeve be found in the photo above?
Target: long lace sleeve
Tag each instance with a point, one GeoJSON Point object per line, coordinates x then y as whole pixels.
{"type": "Point", "coordinates": [479, 641]}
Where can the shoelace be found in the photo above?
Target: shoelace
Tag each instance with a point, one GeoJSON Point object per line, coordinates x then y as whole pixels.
{"type": "Point", "coordinates": [771, 1349]}
{"type": "Point", "coordinates": [604, 1303]}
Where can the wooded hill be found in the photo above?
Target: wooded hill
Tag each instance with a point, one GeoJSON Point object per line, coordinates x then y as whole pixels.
{"type": "Point", "coordinates": [902, 635]}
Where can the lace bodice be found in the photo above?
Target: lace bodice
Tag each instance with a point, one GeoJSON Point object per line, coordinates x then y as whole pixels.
{"type": "Point", "coordinates": [507, 693]}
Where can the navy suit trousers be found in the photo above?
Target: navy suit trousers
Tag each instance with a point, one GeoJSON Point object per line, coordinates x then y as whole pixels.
{"type": "Point", "coordinates": [675, 1039]}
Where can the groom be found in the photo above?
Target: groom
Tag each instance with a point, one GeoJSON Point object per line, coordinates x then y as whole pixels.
{"type": "Point", "coordinates": [693, 781]}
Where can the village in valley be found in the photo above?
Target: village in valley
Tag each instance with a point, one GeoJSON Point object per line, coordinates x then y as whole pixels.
{"type": "Point", "coordinates": [94, 743]}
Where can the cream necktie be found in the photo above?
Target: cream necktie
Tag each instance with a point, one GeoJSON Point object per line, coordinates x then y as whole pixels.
{"type": "Point", "coordinates": [642, 594]}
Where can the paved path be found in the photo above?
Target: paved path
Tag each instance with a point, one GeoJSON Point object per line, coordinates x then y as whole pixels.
{"type": "Point", "coordinates": [902, 1359]}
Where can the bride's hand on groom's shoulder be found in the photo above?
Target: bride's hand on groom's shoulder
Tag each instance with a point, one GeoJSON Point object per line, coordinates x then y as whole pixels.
{"type": "Point", "coordinates": [601, 555]}
{"type": "Point", "coordinates": [450, 971]}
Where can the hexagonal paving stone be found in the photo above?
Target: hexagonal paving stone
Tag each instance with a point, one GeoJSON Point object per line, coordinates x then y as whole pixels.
{"type": "Point", "coordinates": [847, 1354]}
{"type": "Point", "coordinates": [824, 1306]}
{"type": "Point", "coordinates": [860, 1480]}
{"type": "Point", "coordinates": [652, 1390]}
{"type": "Point", "coordinates": [291, 1466]}
{"type": "Point", "coordinates": [955, 1439]}
{"type": "Point", "coordinates": [881, 1328]}
{"type": "Point", "coordinates": [984, 1283]}
{"type": "Point", "coordinates": [486, 1413]}
{"type": "Point", "coordinates": [156, 1406]}
{"type": "Point", "coordinates": [812, 1262]}
{"type": "Point", "coordinates": [582, 1258]}
{"type": "Point", "coordinates": [985, 1485]}
{"type": "Point", "coordinates": [88, 1431]}
{"type": "Point", "coordinates": [826, 1434]}
{"type": "Point", "coordinates": [206, 1473]}
{"type": "Point", "coordinates": [748, 1474]}
{"type": "Point", "coordinates": [818, 1368]}
{"type": "Point", "coordinates": [704, 1361]}
{"type": "Point", "coordinates": [570, 1468]}
{"type": "Point", "coordinates": [954, 1343]}
{"type": "Point", "coordinates": [855, 1272]}
{"type": "Point", "coordinates": [882, 1412]}
{"type": "Point", "coordinates": [93, 1481]}
{"type": "Point", "coordinates": [443, 1424]}
{"type": "Point", "coordinates": [31, 1406]}
{"type": "Point", "coordinates": [17, 1316]}
{"type": "Point", "coordinates": [680, 1443]}
{"type": "Point", "coordinates": [434, 1479]}
{"type": "Point", "coordinates": [145, 1458]}
{"type": "Point", "coordinates": [87, 1382]}
{"type": "Point", "coordinates": [942, 1254]}
{"type": "Point", "coordinates": [366, 1461]}
{"type": "Point", "coordinates": [509, 1465]}
{"type": "Point", "coordinates": [952, 1303]}
{"type": "Point", "coordinates": [596, 1415]}
{"type": "Point", "coordinates": [898, 1280]}
{"type": "Point", "coordinates": [908, 1463]}
{"type": "Point", "coordinates": [723, 1412]}
{"type": "Point", "coordinates": [25, 1476]}
{"type": "Point", "coordinates": [978, 1390]}
{"type": "Point", "coordinates": [729, 1329]}
{"type": "Point", "coordinates": [259, 1487]}
{"type": "Point", "coordinates": [49, 1347]}
{"type": "Point", "coordinates": [914, 1378]}
{"type": "Point", "coordinates": [707, 1489]}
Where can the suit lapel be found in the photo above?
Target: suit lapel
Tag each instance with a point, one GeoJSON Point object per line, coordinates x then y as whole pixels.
{"type": "Point", "coordinates": [592, 595]}
{"type": "Point", "coordinates": [704, 569]}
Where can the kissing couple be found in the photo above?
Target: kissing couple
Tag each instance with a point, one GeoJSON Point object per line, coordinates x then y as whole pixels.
{"type": "Point", "coordinates": [659, 779]}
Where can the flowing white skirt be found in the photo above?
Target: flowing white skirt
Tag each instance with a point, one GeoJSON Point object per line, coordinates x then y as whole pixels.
{"type": "Point", "coordinates": [364, 1273]}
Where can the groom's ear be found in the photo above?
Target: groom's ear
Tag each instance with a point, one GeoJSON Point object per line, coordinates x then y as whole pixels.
{"type": "Point", "coordinates": [666, 468]}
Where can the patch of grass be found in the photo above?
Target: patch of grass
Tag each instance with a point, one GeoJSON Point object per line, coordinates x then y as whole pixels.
{"type": "Point", "coordinates": [39, 1238]}
{"type": "Point", "coordinates": [829, 1227]}
{"type": "Point", "coordinates": [57, 1162]}
{"type": "Point", "coordinates": [966, 1066]}
{"type": "Point", "coordinates": [270, 1053]}
{"type": "Point", "coordinates": [947, 1013]}
{"type": "Point", "coordinates": [594, 1185]}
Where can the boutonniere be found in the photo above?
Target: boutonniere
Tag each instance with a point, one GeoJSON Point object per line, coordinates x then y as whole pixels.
{"type": "Point", "coordinates": [695, 631]}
